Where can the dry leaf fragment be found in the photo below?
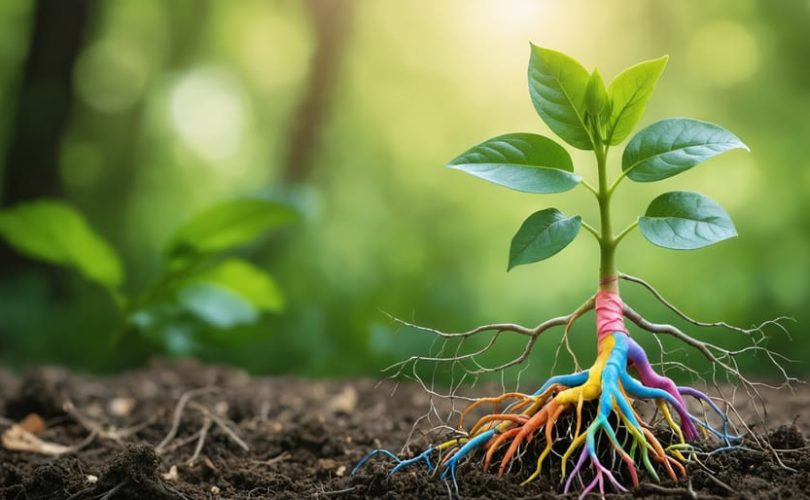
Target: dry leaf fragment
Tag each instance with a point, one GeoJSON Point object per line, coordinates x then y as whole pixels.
{"type": "Point", "coordinates": [33, 423]}
{"type": "Point", "coordinates": [172, 475]}
{"type": "Point", "coordinates": [16, 438]}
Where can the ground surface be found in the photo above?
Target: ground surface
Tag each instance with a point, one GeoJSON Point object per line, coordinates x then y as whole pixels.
{"type": "Point", "coordinates": [303, 438]}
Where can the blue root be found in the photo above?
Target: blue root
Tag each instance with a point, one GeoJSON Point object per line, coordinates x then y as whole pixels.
{"type": "Point", "coordinates": [401, 464]}
{"type": "Point", "coordinates": [470, 445]}
{"type": "Point", "coordinates": [570, 380]}
{"type": "Point", "coordinates": [449, 468]}
{"type": "Point", "coordinates": [722, 434]}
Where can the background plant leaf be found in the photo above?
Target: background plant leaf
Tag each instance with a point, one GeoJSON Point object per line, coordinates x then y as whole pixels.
{"type": "Point", "coordinates": [525, 162]}
{"type": "Point", "coordinates": [669, 147]}
{"type": "Point", "coordinates": [227, 225]}
{"type": "Point", "coordinates": [231, 293]}
{"type": "Point", "coordinates": [629, 93]}
{"type": "Point", "coordinates": [542, 234]}
{"type": "Point", "coordinates": [248, 281]}
{"type": "Point", "coordinates": [217, 306]}
{"type": "Point", "coordinates": [557, 85]}
{"type": "Point", "coordinates": [55, 232]}
{"type": "Point", "coordinates": [684, 220]}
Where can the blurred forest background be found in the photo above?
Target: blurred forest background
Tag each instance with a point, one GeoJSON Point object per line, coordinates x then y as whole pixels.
{"type": "Point", "coordinates": [141, 113]}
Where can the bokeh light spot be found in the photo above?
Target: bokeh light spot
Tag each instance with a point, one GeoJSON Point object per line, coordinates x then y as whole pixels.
{"type": "Point", "coordinates": [111, 76]}
{"type": "Point", "coordinates": [208, 112]}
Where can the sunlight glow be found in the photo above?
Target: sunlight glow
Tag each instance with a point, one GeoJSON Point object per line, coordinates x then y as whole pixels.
{"type": "Point", "coordinates": [208, 112]}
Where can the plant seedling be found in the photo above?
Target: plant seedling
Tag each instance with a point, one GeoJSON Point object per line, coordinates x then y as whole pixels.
{"type": "Point", "coordinates": [203, 282]}
{"type": "Point", "coordinates": [588, 115]}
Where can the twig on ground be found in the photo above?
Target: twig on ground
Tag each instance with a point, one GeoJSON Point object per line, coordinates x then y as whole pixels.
{"type": "Point", "coordinates": [178, 415]}
{"type": "Point", "coordinates": [222, 423]}
{"type": "Point", "coordinates": [200, 441]}
{"type": "Point", "coordinates": [92, 426]}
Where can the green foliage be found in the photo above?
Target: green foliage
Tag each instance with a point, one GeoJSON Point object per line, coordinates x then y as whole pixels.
{"type": "Point", "coordinates": [55, 232]}
{"type": "Point", "coordinates": [583, 112]}
{"type": "Point", "coordinates": [629, 93]}
{"type": "Point", "coordinates": [216, 306]}
{"type": "Point", "coordinates": [246, 280]}
{"type": "Point", "coordinates": [557, 85]}
{"type": "Point", "coordinates": [228, 225]}
{"type": "Point", "coordinates": [200, 279]}
{"type": "Point", "coordinates": [597, 101]}
{"type": "Point", "coordinates": [542, 235]}
{"type": "Point", "coordinates": [684, 221]}
{"type": "Point", "coordinates": [669, 147]}
{"type": "Point", "coordinates": [523, 162]}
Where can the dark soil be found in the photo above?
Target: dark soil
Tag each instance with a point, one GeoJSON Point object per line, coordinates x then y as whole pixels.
{"type": "Point", "coordinates": [304, 437]}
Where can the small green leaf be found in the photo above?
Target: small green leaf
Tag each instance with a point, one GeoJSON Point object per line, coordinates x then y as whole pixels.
{"type": "Point", "coordinates": [557, 85]}
{"type": "Point", "coordinates": [217, 306]}
{"type": "Point", "coordinates": [525, 162]}
{"type": "Point", "coordinates": [629, 93]}
{"type": "Point", "coordinates": [227, 225]}
{"type": "Point", "coordinates": [669, 147]}
{"type": "Point", "coordinates": [542, 235]}
{"type": "Point", "coordinates": [55, 232]}
{"type": "Point", "coordinates": [231, 293]}
{"type": "Point", "coordinates": [596, 97]}
{"type": "Point", "coordinates": [685, 221]}
{"type": "Point", "coordinates": [246, 280]}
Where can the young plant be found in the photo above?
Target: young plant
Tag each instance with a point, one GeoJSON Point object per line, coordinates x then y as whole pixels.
{"type": "Point", "coordinates": [588, 115]}
{"type": "Point", "coordinates": [202, 285]}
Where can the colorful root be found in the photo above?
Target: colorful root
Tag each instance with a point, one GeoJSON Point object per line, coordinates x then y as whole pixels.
{"type": "Point", "coordinates": [504, 436]}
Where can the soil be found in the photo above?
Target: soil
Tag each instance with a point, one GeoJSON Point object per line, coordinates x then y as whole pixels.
{"type": "Point", "coordinates": [303, 437]}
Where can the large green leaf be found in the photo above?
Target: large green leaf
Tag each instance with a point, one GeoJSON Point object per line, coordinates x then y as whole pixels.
{"type": "Point", "coordinates": [557, 85]}
{"type": "Point", "coordinates": [629, 93]}
{"type": "Point", "coordinates": [227, 225]}
{"type": "Point", "coordinates": [57, 233]}
{"type": "Point", "coordinates": [684, 221]}
{"type": "Point", "coordinates": [542, 235]}
{"type": "Point", "coordinates": [669, 147]}
{"type": "Point", "coordinates": [524, 162]}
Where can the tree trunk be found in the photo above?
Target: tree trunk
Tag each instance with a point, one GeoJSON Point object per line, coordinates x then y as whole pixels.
{"type": "Point", "coordinates": [330, 21]}
{"type": "Point", "coordinates": [46, 90]}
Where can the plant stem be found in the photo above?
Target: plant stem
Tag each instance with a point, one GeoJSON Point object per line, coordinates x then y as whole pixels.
{"type": "Point", "coordinates": [625, 232]}
{"type": "Point", "coordinates": [607, 244]}
{"type": "Point", "coordinates": [591, 230]}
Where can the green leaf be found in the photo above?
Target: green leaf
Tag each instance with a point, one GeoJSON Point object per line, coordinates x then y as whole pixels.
{"type": "Point", "coordinates": [246, 280]}
{"type": "Point", "coordinates": [684, 221]}
{"type": "Point", "coordinates": [669, 147]}
{"type": "Point", "coordinates": [525, 162]}
{"type": "Point", "coordinates": [217, 306]}
{"type": "Point", "coordinates": [55, 232]}
{"type": "Point", "coordinates": [231, 293]}
{"type": "Point", "coordinates": [542, 235]}
{"type": "Point", "coordinates": [228, 225]}
{"type": "Point", "coordinates": [557, 85]}
{"type": "Point", "coordinates": [629, 93]}
{"type": "Point", "coordinates": [596, 97]}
